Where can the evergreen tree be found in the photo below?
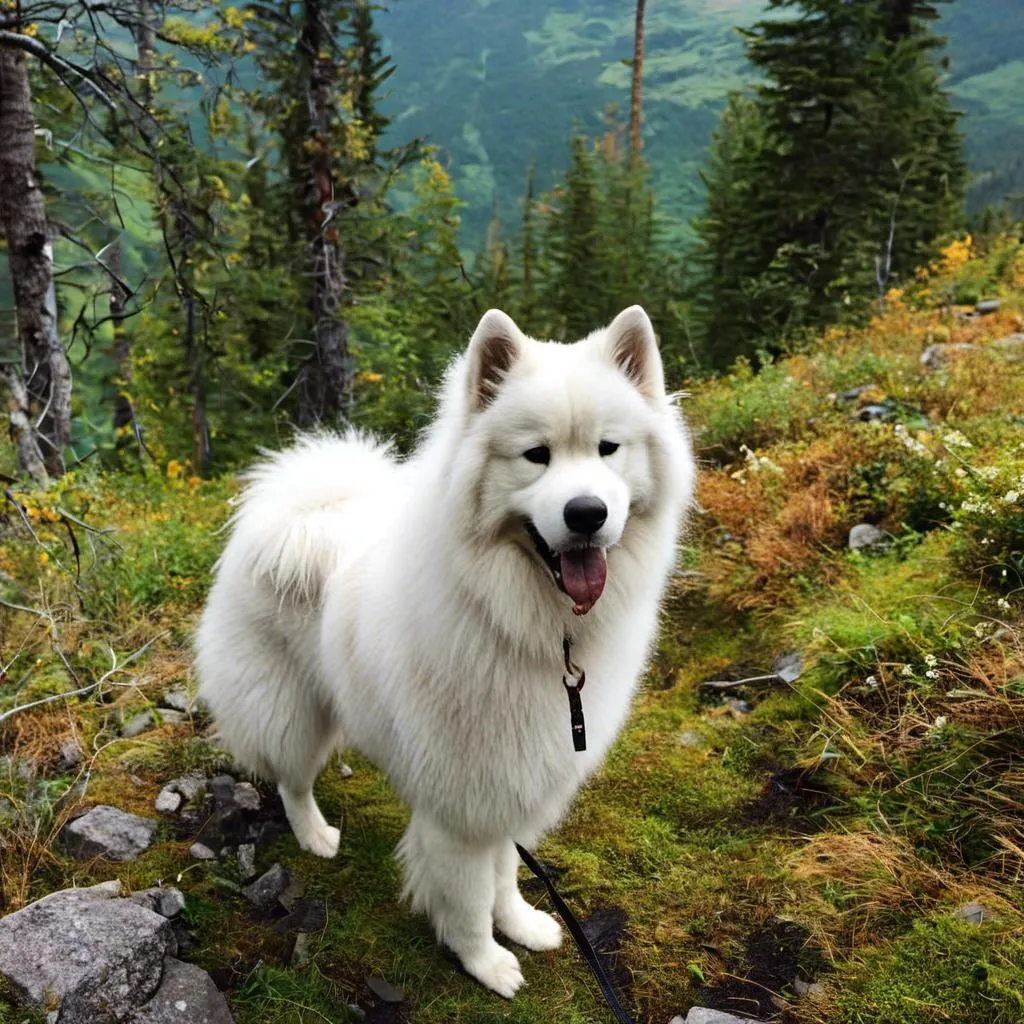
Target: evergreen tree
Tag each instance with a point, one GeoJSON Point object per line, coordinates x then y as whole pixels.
{"type": "Point", "coordinates": [855, 171]}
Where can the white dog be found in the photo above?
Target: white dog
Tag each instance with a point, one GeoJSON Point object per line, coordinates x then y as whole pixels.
{"type": "Point", "coordinates": [417, 611]}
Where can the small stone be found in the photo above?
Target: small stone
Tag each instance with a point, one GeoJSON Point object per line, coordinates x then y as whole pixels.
{"type": "Point", "coordinates": [223, 789]}
{"type": "Point", "coordinates": [70, 754]}
{"type": "Point", "coordinates": [167, 801]}
{"type": "Point", "coordinates": [864, 535]}
{"type": "Point", "coordinates": [972, 913]}
{"type": "Point", "coordinates": [936, 356]}
{"type": "Point", "coordinates": [187, 995]}
{"type": "Point", "coordinates": [200, 851]}
{"type": "Point", "coordinates": [853, 393]}
{"type": "Point", "coordinates": [305, 916]}
{"type": "Point", "coordinates": [739, 707]}
{"type": "Point", "coordinates": [811, 989]}
{"type": "Point", "coordinates": [385, 991]}
{"type": "Point", "coordinates": [873, 412]}
{"type": "Point", "coordinates": [789, 667]}
{"type": "Point", "coordinates": [986, 306]}
{"type": "Point", "coordinates": [246, 796]}
{"type": "Point", "coordinates": [246, 861]}
{"type": "Point", "coordinates": [701, 1015]}
{"type": "Point", "coordinates": [108, 832]}
{"type": "Point", "coordinates": [1012, 346]}
{"type": "Point", "coordinates": [691, 739]}
{"type": "Point", "coordinates": [138, 724]}
{"type": "Point", "coordinates": [167, 902]}
{"type": "Point", "coordinates": [189, 786]}
{"type": "Point", "coordinates": [302, 951]}
{"type": "Point", "coordinates": [177, 698]}
{"type": "Point", "coordinates": [346, 771]}
{"type": "Point", "coordinates": [276, 886]}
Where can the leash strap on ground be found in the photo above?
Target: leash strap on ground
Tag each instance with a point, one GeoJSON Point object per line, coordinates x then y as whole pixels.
{"type": "Point", "coordinates": [583, 944]}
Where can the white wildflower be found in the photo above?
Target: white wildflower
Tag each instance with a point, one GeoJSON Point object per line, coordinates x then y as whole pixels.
{"type": "Point", "coordinates": [907, 670]}
{"type": "Point", "coordinates": [930, 660]}
{"type": "Point", "coordinates": [931, 674]}
{"type": "Point", "coordinates": [1011, 497]}
{"type": "Point", "coordinates": [956, 439]}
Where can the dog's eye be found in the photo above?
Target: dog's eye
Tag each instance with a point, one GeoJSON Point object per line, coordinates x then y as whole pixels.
{"type": "Point", "coordinates": [607, 448]}
{"type": "Point", "coordinates": [541, 455]}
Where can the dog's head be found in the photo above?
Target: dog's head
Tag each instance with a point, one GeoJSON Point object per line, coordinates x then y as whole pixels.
{"type": "Point", "coordinates": [573, 442]}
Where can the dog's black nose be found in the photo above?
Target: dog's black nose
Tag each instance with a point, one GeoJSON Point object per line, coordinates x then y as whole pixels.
{"type": "Point", "coordinates": [585, 514]}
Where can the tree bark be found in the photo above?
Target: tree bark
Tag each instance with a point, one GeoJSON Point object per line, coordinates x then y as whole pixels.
{"type": "Point", "coordinates": [46, 373]}
{"type": "Point", "coordinates": [30, 458]}
{"type": "Point", "coordinates": [327, 376]}
{"type": "Point", "coordinates": [144, 33]}
{"type": "Point", "coordinates": [636, 139]}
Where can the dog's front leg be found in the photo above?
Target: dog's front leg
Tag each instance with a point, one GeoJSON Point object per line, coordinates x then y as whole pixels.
{"type": "Point", "coordinates": [515, 917]}
{"type": "Point", "coordinates": [453, 882]}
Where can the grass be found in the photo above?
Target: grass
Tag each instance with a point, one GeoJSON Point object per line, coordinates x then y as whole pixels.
{"type": "Point", "coordinates": [829, 833]}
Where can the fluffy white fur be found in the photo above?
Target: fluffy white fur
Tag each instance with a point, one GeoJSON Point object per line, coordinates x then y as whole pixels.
{"type": "Point", "coordinates": [402, 609]}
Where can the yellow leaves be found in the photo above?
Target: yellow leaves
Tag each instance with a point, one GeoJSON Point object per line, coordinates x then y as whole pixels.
{"type": "Point", "coordinates": [44, 558]}
{"type": "Point", "coordinates": [174, 469]}
{"type": "Point", "coordinates": [32, 30]}
{"type": "Point", "coordinates": [234, 18]}
{"type": "Point", "coordinates": [369, 377]}
{"type": "Point", "coordinates": [956, 254]}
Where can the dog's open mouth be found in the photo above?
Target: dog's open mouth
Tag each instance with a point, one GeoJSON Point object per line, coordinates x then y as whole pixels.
{"type": "Point", "coordinates": [579, 572]}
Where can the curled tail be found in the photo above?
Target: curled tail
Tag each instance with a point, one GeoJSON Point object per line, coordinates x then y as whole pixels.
{"type": "Point", "coordinates": [291, 523]}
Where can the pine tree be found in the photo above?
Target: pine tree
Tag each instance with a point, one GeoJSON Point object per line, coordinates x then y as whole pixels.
{"type": "Point", "coordinates": [856, 172]}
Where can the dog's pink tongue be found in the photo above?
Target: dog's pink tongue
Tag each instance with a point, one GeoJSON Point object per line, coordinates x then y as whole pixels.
{"type": "Point", "coordinates": [584, 571]}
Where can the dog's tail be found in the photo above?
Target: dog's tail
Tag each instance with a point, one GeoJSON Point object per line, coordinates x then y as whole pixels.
{"type": "Point", "coordinates": [291, 522]}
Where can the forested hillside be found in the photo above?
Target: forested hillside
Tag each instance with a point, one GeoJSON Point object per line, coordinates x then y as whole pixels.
{"type": "Point", "coordinates": [501, 85]}
{"type": "Point", "coordinates": [220, 229]}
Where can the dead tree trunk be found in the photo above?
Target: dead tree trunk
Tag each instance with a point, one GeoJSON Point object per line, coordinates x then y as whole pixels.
{"type": "Point", "coordinates": [144, 33]}
{"type": "Point", "coordinates": [46, 373]}
{"type": "Point", "coordinates": [327, 375]}
{"type": "Point", "coordinates": [636, 140]}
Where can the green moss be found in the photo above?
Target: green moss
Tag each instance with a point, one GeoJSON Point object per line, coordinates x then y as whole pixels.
{"type": "Point", "coordinates": [942, 970]}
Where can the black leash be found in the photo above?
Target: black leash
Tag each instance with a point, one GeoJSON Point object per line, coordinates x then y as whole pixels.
{"type": "Point", "coordinates": [583, 944]}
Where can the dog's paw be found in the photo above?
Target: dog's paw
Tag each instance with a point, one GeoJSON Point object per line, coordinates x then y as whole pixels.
{"type": "Point", "coordinates": [496, 968]}
{"type": "Point", "coordinates": [323, 841]}
{"type": "Point", "coordinates": [532, 928]}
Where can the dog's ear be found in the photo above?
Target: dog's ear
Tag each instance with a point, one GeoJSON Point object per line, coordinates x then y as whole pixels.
{"type": "Point", "coordinates": [494, 347]}
{"type": "Point", "coordinates": [633, 348]}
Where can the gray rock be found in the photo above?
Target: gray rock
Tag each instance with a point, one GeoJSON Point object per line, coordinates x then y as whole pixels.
{"type": "Point", "coordinates": [701, 1015]}
{"type": "Point", "coordinates": [108, 832]}
{"type": "Point", "coordinates": [691, 739]}
{"type": "Point", "coordinates": [873, 412]}
{"type": "Point", "coordinates": [986, 306]}
{"type": "Point", "coordinates": [385, 991]}
{"type": "Point", "coordinates": [246, 861]}
{"type": "Point", "coordinates": [740, 707]}
{"type": "Point", "coordinates": [177, 698]}
{"type": "Point", "coordinates": [167, 902]}
{"type": "Point", "coordinates": [97, 957]}
{"type": "Point", "coordinates": [302, 951]}
{"type": "Point", "coordinates": [276, 886]}
{"type": "Point", "coordinates": [789, 667]}
{"type": "Point", "coordinates": [200, 851]}
{"type": "Point", "coordinates": [138, 724]}
{"type": "Point", "coordinates": [812, 989]}
{"type": "Point", "coordinates": [167, 801]}
{"type": "Point", "coordinates": [346, 771]}
{"type": "Point", "coordinates": [187, 995]}
{"type": "Point", "coordinates": [972, 913]}
{"type": "Point", "coordinates": [853, 393]}
{"type": "Point", "coordinates": [70, 755]}
{"type": "Point", "coordinates": [189, 786]}
{"type": "Point", "coordinates": [937, 356]}
{"type": "Point", "coordinates": [864, 535]}
{"type": "Point", "coordinates": [246, 796]}
{"type": "Point", "coordinates": [1012, 346]}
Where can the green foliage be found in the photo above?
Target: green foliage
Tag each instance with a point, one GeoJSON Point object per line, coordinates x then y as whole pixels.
{"type": "Point", "coordinates": [833, 183]}
{"type": "Point", "coordinates": [943, 968]}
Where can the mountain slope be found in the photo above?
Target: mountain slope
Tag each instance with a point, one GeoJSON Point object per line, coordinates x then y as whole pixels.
{"type": "Point", "coordinates": [500, 85]}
